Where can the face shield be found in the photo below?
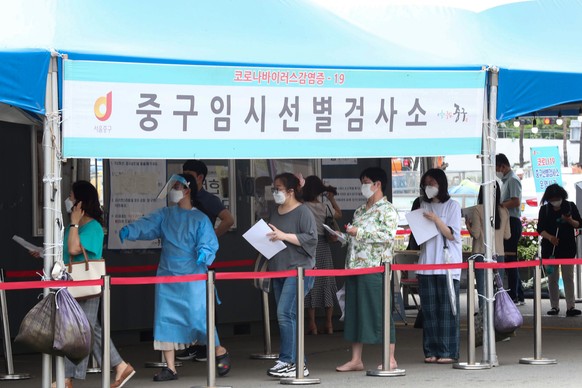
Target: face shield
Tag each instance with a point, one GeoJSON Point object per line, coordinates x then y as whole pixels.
{"type": "Point", "coordinates": [175, 182]}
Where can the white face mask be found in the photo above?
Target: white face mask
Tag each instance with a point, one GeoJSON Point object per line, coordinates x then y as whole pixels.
{"type": "Point", "coordinates": [69, 205]}
{"type": "Point", "coordinates": [175, 195]}
{"type": "Point", "coordinates": [431, 191]}
{"type": "Point", "coordinates": [367, 190]}
{"type": "Point", "coordinates": [279, 197]}
{"type": "Point", "coordinates": [556, 203]}
{"type": "Point", "coordinates": [499, 174]}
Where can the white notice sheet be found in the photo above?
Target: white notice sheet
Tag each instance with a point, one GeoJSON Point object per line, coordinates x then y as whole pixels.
{"type": "Point", "coordinates": [423, 228]}
{"type": "Point", "coordinates": [257, 237]}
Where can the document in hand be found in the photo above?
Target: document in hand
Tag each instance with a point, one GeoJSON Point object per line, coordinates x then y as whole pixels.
{"type": "Point", "coordinates": [257, 237]}
{"type": "Point", "coordinates": [422, 228]}
{"type": "Point", "coordinates": [339, 235]}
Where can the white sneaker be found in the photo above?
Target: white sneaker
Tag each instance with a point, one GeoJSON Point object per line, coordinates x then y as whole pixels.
{"type": "Point", "coordinates": [280, 369]}
{"type": "Point", "coordinates": [292, 371]}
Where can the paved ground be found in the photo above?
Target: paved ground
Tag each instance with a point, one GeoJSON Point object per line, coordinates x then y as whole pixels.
{"type": "Point", "coordinates": [562, 340]}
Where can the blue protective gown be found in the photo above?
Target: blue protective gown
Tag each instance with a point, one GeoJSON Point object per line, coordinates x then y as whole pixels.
{"type": "Point", "coordinates": [180, 309]}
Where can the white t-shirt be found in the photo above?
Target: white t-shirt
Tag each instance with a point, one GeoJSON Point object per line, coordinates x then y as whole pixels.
{"type": "Point", "coordinates": [432, 251]}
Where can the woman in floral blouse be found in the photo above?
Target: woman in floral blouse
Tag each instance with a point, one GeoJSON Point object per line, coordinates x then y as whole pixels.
{"type": "Point", "coordinates": [370, 244]}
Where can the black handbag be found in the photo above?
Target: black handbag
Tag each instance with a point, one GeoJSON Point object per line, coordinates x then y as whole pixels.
{"type": "Point", "coordinates": [332, 224]}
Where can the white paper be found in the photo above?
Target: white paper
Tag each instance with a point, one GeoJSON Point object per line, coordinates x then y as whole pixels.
{"type": "Point", "coordinates": [257, 237]}
{"type": "Point", "coordinates": [339, 236]}
{"type": "Point", "coordinates": [422, 228]}
{"type": "Point", "coordinates": [27, 245]}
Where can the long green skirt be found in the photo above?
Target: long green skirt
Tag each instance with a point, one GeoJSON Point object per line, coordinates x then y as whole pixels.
{"type": "Point", "coordinates": [363, 317]}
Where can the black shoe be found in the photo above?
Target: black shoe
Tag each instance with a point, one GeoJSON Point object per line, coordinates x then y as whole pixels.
{"type": "Point", "coordinates": [554, 311]}
{"type": "Point", "coordinates": [166, 375]}
{"type": "Point", "coordinates": [223, 364]}
{"type": "Point", "coordinates": [573, 312]}
{"type": "Point", "coordinates": [194, 352]}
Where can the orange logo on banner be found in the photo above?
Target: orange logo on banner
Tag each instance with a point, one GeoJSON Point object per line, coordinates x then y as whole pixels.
{"type": "Point", "coordinates": [102, 107]}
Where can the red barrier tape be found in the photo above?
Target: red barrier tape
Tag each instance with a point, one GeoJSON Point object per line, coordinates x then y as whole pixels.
{"type": "Point", "coordinates": [276, 274]}
{"type": "Point", "coordinates": [49, 284]}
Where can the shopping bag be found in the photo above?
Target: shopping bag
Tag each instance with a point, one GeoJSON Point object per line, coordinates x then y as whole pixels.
{"type": "Point", "coordinates": [506, 316]}
{"type": "Point", "coordinates": [38, 326]}
{"type": "Point", "coordinates": [73, 334]}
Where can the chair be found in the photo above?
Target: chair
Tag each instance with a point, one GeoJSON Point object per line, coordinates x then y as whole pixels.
{"type": "Point", "coordinates": [408, 280]}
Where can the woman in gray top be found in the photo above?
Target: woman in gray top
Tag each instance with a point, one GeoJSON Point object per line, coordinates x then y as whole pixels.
{"type": "Point", "coordinates": [294, 224]}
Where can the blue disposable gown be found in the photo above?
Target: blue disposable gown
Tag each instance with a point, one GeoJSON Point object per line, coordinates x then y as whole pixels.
{"type": "Point", "coordinates": [180, 309]}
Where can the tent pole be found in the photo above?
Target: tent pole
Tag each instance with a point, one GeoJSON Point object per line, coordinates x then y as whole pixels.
{"type": "Point", "coordinates": [52, 223]}
{"type": "Point", "coordinates": [488, 169]}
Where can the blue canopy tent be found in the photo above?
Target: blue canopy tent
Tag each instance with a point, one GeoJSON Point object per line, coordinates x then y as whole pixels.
{"type": "Point", "coordinates": [537, 70]}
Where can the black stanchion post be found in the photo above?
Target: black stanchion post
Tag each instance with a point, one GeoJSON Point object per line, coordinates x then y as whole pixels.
{"type": "Point", "coordinates": [386, 371]}
{"type": "Point", "coordinates": [300, 358]}
{"type": "Point", "coordinates": [537, 359]}
{"type": "Point", "coordinates": [471, 364]}
{"type": "Point", "coordinates": [10, 375]}
{"type": "Point", "coordinates": [268, 354]}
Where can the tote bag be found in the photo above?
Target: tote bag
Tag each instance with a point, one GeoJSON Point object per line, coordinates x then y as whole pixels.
{"type": "Point", "coordinates": [86, 270]}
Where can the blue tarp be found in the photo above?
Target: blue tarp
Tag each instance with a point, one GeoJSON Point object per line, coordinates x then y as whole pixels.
{"type": "Point", "coordinates": [534, 43]}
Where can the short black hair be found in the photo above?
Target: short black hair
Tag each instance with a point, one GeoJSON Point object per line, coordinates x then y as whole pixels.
{"type": "Point", "coordinates": [85, 192]}
{"type": "Point", "coordinates": [554, 191]}
{"type": "Point", "coordinates": [375, 174]}
{"type": "Point", "coordinates": [197, 166]}
{"type": "Point", "coordinates": [501, 160]}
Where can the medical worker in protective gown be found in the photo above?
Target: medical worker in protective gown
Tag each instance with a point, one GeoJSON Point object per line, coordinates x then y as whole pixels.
{"type": "Point", "coordinates": [189, 245]}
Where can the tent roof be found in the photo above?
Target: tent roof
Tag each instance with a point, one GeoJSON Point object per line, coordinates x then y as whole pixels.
{"type": "Point", "coordinates": [538, 69]}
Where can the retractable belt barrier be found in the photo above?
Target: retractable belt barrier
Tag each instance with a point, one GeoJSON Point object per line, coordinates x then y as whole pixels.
{"type": "Point", "coordinates": [387, 269]}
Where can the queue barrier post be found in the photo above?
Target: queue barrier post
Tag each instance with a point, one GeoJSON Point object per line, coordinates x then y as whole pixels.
{"type": "Point", "coordinates": [10, 375]}
{"type": "Point", "coordinates": [268, 354]}
{"type": "Point", "coordinates": [300, 358]}
{"type": "Point", "coordinates": [210, 333]}
{"type": "Point", "coordinates": [537, 359]}
{"type": "Point", "coordinates": [106, 333]}
{"type": "Point", "coordinates": [386, 371]}
{"type": "Point", "coordinates": [471, 364]}
{"type": "Point", "coordinates": [578, 268]}
{"type": "Point", "coordinates": [93, 367]}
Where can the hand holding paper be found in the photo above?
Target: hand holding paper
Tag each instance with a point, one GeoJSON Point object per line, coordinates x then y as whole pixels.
{"type": "Point", "coordinates": [423, 228]}
{"type": "Point", "coordinates": [258, 237]}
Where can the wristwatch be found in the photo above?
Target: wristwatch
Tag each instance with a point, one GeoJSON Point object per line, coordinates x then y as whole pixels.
{"type": "Point", "coordinates": [74, 226]}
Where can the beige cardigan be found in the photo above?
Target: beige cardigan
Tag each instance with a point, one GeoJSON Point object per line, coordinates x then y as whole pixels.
{"type": "Point", "coordinates": [476, 230]}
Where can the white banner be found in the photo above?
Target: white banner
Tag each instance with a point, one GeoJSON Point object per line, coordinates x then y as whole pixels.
{"type": "Point", "coordinates": [135, 184]}
{"type": "Point", "coordinates": [131, 110]}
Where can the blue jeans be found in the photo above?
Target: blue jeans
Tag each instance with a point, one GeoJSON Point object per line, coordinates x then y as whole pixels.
{"type": "Point", "coordinates": [285, 290]}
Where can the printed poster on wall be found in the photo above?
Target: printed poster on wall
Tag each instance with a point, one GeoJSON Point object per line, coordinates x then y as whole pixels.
{"type": "Point", "coordinates": [135, 184]}
{"type": "Point", "coordinates": [546, 168]}
{"type": "Point", "coordinates": [168, 111]}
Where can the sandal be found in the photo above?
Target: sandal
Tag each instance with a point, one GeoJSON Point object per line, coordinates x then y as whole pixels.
{"type": "Point", "coordinates": [166, 375]}
{"type": "Point", "coordinates": [430, 360]}
{"type": "Point", "coordinates": [553, 311]}
{"type": "Point", "coordinates": [446, 360]}
{"type": "Point", "coordinates": [223, 364]}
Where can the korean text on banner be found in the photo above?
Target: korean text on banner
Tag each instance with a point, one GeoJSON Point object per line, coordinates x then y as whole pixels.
{"type": "Point", "coordinates": [546, 168]}
{"type": "Point", "coordinates": [236, 112]}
